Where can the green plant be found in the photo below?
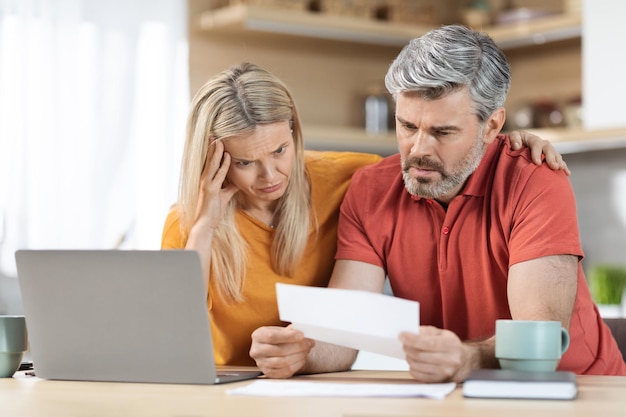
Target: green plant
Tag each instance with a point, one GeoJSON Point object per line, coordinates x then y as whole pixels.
{"type": "Point", "coordinates": [607, 283]}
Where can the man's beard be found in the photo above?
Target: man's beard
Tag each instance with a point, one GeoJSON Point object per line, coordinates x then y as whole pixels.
{"type": "Point", "coordinates": [438, 188]}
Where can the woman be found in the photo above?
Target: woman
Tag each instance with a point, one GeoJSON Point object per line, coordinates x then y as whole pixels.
{"type": "Point", "coordinates": [256, 207]}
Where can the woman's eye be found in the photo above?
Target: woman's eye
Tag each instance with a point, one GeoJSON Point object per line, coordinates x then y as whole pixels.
{"type": "Point", "coordinates": [280, 150]}
{"type": "Point", "coordinates": [244, 163]}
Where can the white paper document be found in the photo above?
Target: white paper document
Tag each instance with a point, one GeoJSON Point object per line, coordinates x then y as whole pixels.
{"type": "Point", "coordinates": [356, 319]}
{"type": "Point", "coordinates": [274, 388]}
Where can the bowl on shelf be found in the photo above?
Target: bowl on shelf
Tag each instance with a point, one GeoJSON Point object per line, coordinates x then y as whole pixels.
{"type": "Point", "coordinates": [521, 15]}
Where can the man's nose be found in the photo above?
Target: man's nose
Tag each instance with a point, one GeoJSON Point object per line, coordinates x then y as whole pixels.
{"type": "Point", "coordinates": [421, 144]}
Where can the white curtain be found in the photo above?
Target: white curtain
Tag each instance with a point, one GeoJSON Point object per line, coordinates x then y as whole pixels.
{"type": "Point", "coordinates": [93, 100]}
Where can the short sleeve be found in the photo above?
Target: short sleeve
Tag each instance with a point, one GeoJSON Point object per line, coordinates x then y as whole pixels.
{"type": "Point", "coordinates": [353, 242]}
{"type": "Point", "coordinates": [545, 222]}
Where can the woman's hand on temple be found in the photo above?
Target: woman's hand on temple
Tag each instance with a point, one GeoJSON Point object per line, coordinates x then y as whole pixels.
{"type": "Point", "coordinates": [214, 195]}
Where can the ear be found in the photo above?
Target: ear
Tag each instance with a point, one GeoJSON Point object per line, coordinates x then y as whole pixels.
{"type": "Point", "coordinates": [494, 125]}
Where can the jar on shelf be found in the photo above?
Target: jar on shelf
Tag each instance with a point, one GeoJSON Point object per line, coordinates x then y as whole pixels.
{"type": "Point", "coordinates": [573, 112]}
{"type": "Point", "coordinates": [520, 117]}
{"type": "Point", "coordinates": [547, 113]}
{"type": "Point", "coordinates": [377, 112]}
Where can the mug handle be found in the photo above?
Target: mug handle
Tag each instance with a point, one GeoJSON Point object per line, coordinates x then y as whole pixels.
{"type": "Point", "coordinates": [564, 340]}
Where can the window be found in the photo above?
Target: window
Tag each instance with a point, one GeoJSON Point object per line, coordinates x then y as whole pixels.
{"type": "Point", "coordinates": [93, 100]}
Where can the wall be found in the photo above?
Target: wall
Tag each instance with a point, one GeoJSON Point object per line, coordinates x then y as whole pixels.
{"type": "Point", "coordinates": [599, 178]}
{"type": "Point", "coordinates": [599, 182]}
{"type": "Point", "coordinates": [604, 63]}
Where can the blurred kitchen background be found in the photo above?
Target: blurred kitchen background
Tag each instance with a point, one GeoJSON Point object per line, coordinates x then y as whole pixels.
{"type": "Point", "coordinates": [94, 95]}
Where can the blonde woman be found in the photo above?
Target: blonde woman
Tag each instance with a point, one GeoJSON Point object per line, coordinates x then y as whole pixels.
{"type": "Point", "coordinates": [256, 206]}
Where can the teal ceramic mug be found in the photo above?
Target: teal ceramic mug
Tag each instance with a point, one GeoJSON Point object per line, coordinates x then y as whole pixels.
{"type": "Point", "coordinates": [530, 345]}
{"type": "Point", "coordinates": [13, 344]}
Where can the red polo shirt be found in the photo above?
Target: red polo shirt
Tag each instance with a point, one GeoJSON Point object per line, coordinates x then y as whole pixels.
{"type": "Point", "coordinates": [455, 262]}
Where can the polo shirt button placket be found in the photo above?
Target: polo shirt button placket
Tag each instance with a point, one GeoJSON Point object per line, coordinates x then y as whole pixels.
{"type": "Point", "coordinates": [445, 230]}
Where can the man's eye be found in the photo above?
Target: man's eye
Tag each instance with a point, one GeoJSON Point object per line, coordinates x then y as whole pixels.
{"type": "Point", "coordinates": [244, 163]}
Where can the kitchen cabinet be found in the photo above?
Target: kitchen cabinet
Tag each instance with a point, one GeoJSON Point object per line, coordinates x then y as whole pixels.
{"type": "Point", "coordinates": [327, 61]}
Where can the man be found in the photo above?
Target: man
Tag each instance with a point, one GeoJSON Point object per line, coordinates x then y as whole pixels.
{"type": "Point", "coordinates": [458, 221]}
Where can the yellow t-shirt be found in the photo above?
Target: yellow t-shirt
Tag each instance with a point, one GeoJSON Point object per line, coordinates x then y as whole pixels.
{"type": "Point", "coordinates": [232, 324]}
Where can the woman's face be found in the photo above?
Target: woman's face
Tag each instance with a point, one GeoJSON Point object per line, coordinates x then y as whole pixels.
{"type": "Point", "coordinates": [261, 163]}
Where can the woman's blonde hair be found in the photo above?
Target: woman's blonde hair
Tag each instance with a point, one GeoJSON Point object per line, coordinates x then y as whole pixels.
{"type": "Point", "coordinates": [233, 103]}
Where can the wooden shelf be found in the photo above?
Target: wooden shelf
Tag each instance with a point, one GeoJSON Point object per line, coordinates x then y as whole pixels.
{"type": "Point", "coordinates": [565, 140]}
{"type": "Point", "coordinates": [256, 19]}
{"type": "Point", "coordinates": [240, 18]}
{"type": "Point", "coordinates": [537, 32]}
{"type": "Point", "coordinates": [571, 140]}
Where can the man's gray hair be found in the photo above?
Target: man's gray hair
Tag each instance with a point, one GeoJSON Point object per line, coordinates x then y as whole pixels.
{"type": "Point", "coordinates": [449, 59]}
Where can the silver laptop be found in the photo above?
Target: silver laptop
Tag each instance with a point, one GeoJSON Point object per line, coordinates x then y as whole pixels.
{"type": "Point", "coordinates": [127, 316]}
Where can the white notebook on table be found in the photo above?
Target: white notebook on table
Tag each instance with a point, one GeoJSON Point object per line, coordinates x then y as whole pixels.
{"type": "Point", "coordinates": [499, 383]}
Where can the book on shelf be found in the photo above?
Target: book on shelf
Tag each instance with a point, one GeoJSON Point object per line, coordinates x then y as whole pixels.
{"type": "Point", "coordinates": [502, 383]}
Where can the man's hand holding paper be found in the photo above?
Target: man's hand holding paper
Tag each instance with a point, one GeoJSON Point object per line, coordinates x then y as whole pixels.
{"type": "Point", "coordinates": [356, 319]}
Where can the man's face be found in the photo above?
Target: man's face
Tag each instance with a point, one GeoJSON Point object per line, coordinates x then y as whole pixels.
{"type": "Point", "coordinates": [440, 142]}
